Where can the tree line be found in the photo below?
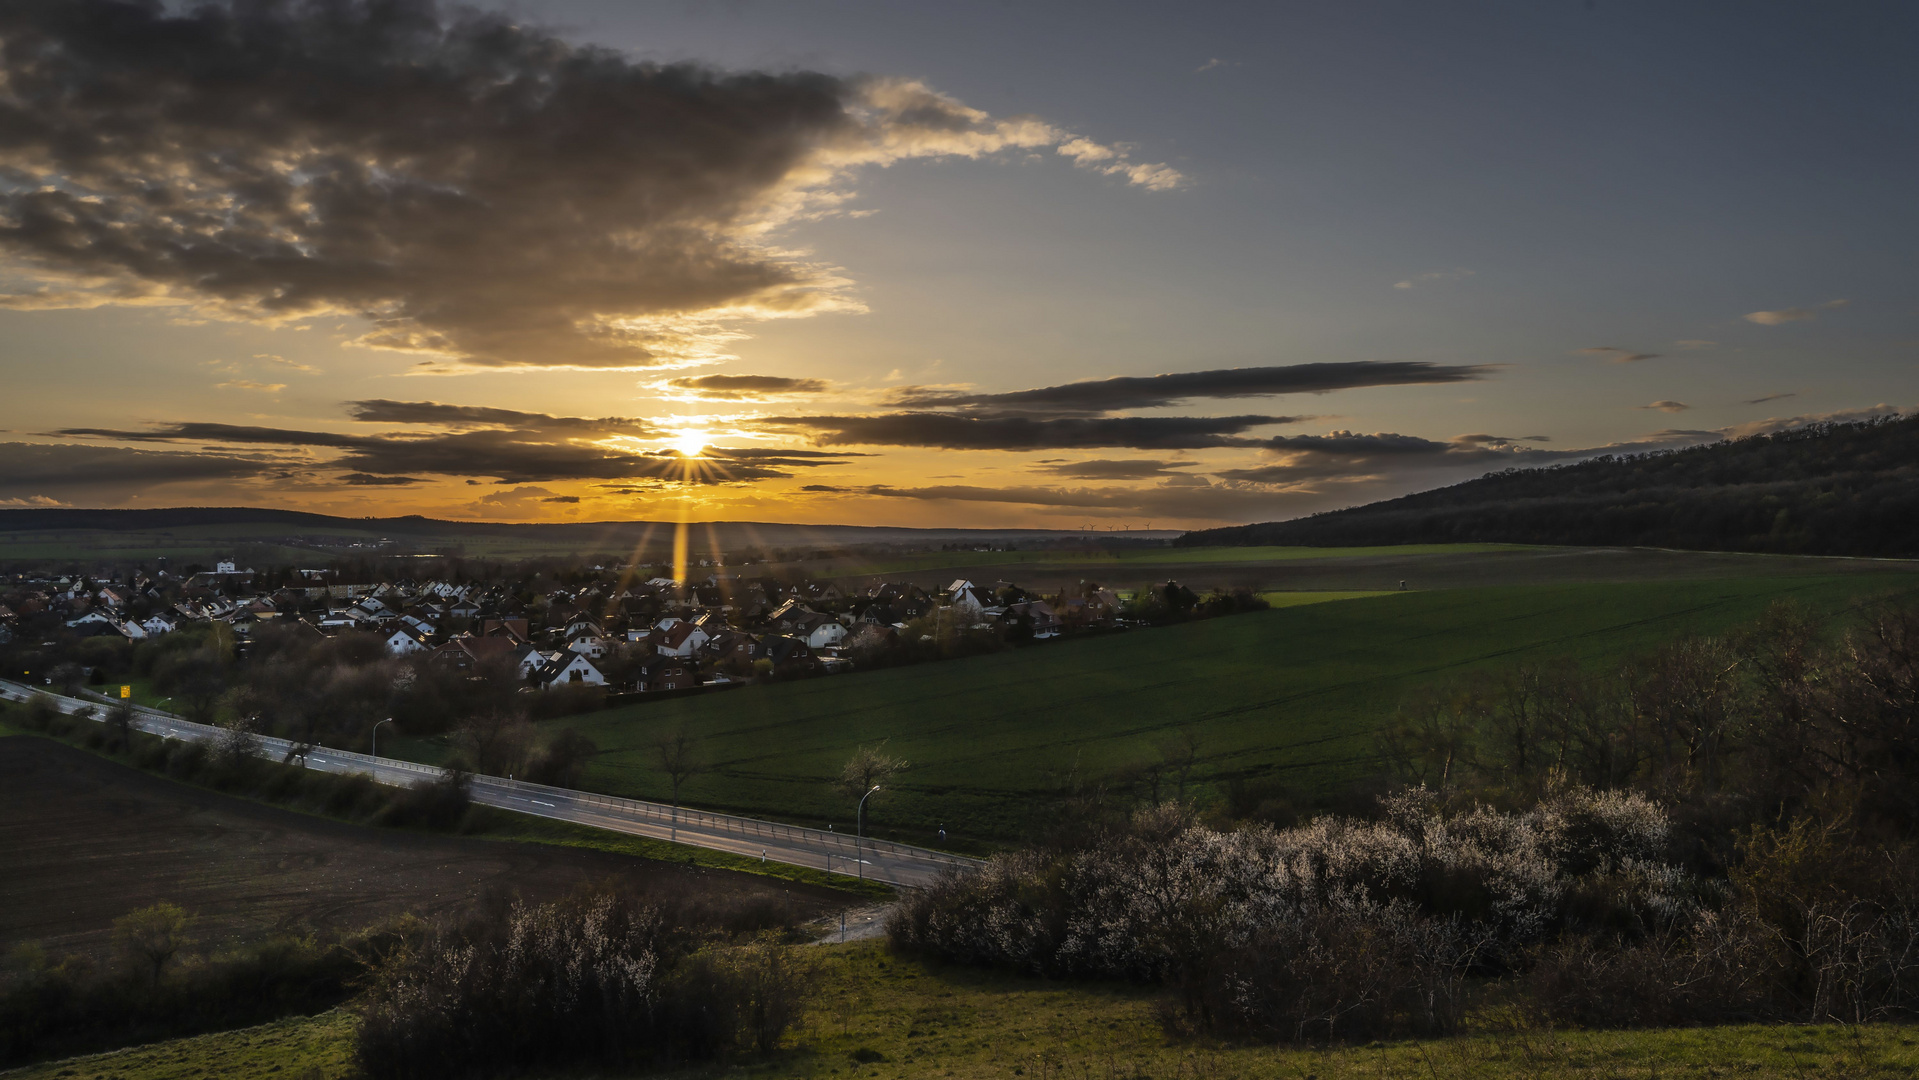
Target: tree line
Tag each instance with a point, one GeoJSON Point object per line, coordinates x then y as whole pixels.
{"type": "Point", "coordinates": [1821, 489]}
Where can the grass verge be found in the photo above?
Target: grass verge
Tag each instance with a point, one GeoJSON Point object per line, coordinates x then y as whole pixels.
{"type": "Point", "coordinates": [879, 1016]}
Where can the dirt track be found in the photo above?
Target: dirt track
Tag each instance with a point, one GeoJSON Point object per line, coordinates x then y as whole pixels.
{"type": "Point", "coordinates": [84, 840]}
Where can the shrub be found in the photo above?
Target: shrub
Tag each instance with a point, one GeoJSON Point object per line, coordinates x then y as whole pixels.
{"type": "Point", "coordinates": [52, 1008]}
{"type": "Point", "coordinates": [594, 982]}
{"type": "Point", "coordinates": [438, 803]}
{"type": "Point", "coordinates": [1339, 928]}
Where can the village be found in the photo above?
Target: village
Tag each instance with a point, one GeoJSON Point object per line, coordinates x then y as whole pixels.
{"type": "Point", "coordinates": [614, 630]}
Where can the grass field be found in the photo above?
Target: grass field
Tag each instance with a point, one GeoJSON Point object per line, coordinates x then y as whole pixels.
{"type": "Point", "coordinates": [905, 1019]}
{"type": "Point", "coordinates": [1125, 558]}
{"type": "Point", "coordinates": [1290, 695]}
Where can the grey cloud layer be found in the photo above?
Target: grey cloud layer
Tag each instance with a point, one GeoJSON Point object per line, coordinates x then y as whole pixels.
{"type": "Point", "coordinates": [1100, 396]}
{"type": "Point", "coordinates": [476, 189]}
{"type": "Point", "coordinates": [436, 414]}
{"type": "Point", "coordinates": [28, 470]}
{"type": "Point", "coordinates": [1347, 455]}
{"type": "Point", "coordinates": [1194, 499]}
{"type": "Point", "coordinates": [744, 387]}
{"type": "Point", "coordinates": [510, 455]}
{"type": "Point", "coordinates": [956, 432]}
{"type": "Point", "coordinates": [1115, 469]}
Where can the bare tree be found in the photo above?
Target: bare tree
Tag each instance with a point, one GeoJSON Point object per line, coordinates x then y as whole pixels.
{"type": "Point", "coordinates": [151, 936]}
{"type": "Point", "coordinates": [678, 753]}
{"type": "Point", "coordinates": [868, 766]}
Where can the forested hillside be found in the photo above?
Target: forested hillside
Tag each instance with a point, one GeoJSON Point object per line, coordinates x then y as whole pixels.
{"type": "Point", "coordinates": [1824, 489]}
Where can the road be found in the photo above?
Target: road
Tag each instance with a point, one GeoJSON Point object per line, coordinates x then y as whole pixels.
{"type": "Point", "coordinates": [836, 853]}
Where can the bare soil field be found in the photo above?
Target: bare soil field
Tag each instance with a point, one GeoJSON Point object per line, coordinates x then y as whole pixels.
{"type": "Point", "coordinates": [84, 840]}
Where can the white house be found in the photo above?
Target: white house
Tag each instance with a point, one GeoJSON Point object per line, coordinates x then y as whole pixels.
{"type": "Point", "coordinates": [682, 639]}
{"type": "Point", "coordinates": [569, 669]}
{"type": "Point", "coordinates": [587, 641]}
{"type": "Point", "coordinates": [827, 635]}
{"type": "Point", "coordinates": [405, 641]}
{"type": "Point", "coordinates": [529, 661]}
{"type": "Point", "coordinates": [156, 625]}
{"type": "Point", "coordinates": [971, 598]}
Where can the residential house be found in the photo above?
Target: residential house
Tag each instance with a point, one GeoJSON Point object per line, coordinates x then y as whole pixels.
{"type": "Point", "coordinates": [1045, 623]}
{"type": "Point", "coordinates": [972, 599]}
{"type": "Point", "coordinates": [667, 673]}
{"type": "Point", "coordinates": [586, 639]}
{"type": "Point", "coordinates": [786, 652]}
{"type": "Point", "coordinates": [826, 634]}
{"type": "Point", "coordinates": [681, 639]}
{"type": "Point", "coordinates": [568, 669]}
{"type": "Point", "coordinates": [405, 641]}
{"type": "Point", "coordinates": [467, 652]}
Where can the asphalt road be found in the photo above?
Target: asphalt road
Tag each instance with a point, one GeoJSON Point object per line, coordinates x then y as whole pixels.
{"type": "Point", "coordinates": [837, 853]}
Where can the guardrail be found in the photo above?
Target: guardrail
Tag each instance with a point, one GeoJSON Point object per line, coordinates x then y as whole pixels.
{"type": "Point", "coordinates": [635, 809]}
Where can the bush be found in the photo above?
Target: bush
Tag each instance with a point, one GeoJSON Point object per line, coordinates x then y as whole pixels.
{"type": "Point", "coordinates": [1341, 928]}
{"type": "Point", "coordinates": [58, 1008]}
{"type": "Point", "coordinates": [439, 803]}
{"type": "Point", "coordinates": [592, 982]}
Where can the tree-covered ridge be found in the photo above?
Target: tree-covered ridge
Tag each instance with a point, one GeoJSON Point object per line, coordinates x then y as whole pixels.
{"type": "Point", "coordinates": [1822, 489]}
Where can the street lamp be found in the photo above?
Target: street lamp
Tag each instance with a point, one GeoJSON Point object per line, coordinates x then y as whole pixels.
{"type": "Point", "coordinates": [376, 735]}
{"type": "Point", "coordinates": [859, 842]}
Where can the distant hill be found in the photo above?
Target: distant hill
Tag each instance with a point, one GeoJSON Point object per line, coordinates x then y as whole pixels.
{"type": "Point", "coordinates": [1823, 489]}
{"type": "Point", "coordinates": [294, 521]}
{"type": "Point", "coordinates": [36, 537]}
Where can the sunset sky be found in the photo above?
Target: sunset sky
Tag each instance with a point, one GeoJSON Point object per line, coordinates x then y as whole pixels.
{"type": "Point", "coordinates": [1164, 265]}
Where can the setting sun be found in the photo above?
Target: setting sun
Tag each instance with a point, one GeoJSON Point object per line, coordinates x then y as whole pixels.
{"type": "Point", "coordinates": [690, 442]}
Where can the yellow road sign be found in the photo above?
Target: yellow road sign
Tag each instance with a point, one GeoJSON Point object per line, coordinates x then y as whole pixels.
{"type": "Point", "coordinates": [126, 691]}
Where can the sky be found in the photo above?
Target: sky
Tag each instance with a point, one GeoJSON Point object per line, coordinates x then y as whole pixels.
{"type": "Point", "coordinates": [932, 264]}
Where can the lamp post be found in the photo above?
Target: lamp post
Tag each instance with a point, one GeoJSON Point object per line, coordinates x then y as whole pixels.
{"type": "Point", "coordinates": [376, 735]}
{"type": "Point", "coordinates": [859, 841]}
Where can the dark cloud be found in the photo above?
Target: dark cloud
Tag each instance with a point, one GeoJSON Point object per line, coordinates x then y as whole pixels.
{"type": "Point", "coordinates": [1667, 406]}
{"type": "Point", "coordinates": [561, 499]}
{"type": "Point", "coordinates": [1346, 456]}
{"type": "Point", "coordinates": [1772, 397]}
{"type": "Point", "coordinates": [1353, 444]}
{"type": "Point", "coordinates": [360, 479]}
{"type": "Point", "coordinates": [474, 188]}
{"type": "Point", "coordinates": [823, 487]}
{"type": "Point", "coordinates": [102, 473]}
{"type": "Point", "coordinates": [1190, 499]}
{"type": "Point", "coordinates": [955, 432]}
{"type": "Point", "coordinates": [433, 413]}
{"type": "Point", "coordinates": [1613, 355]}
{"type": "Point", "coordinates": [1155, 391]}
{"type": "Point", "coordinates": [1121, 469]}
{"type": "Point", "coordinates": [510, 456]}
{"type": "Point", "coordinates": [799, 459]}
{"type": "Point", "coordinates": [744, 387]}
{"type": "Point", "coordinates": [1501, 440]}
{"type": "Point", "coordinates": [227, 433]}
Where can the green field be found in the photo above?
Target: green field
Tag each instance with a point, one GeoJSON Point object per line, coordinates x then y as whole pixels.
{"type": "Point", "coordinates": [1123, 558]}
{"type": "Point", "coordinates": [1290, 696]}
{"type": "Point", "coordinates": [904, 1018]}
